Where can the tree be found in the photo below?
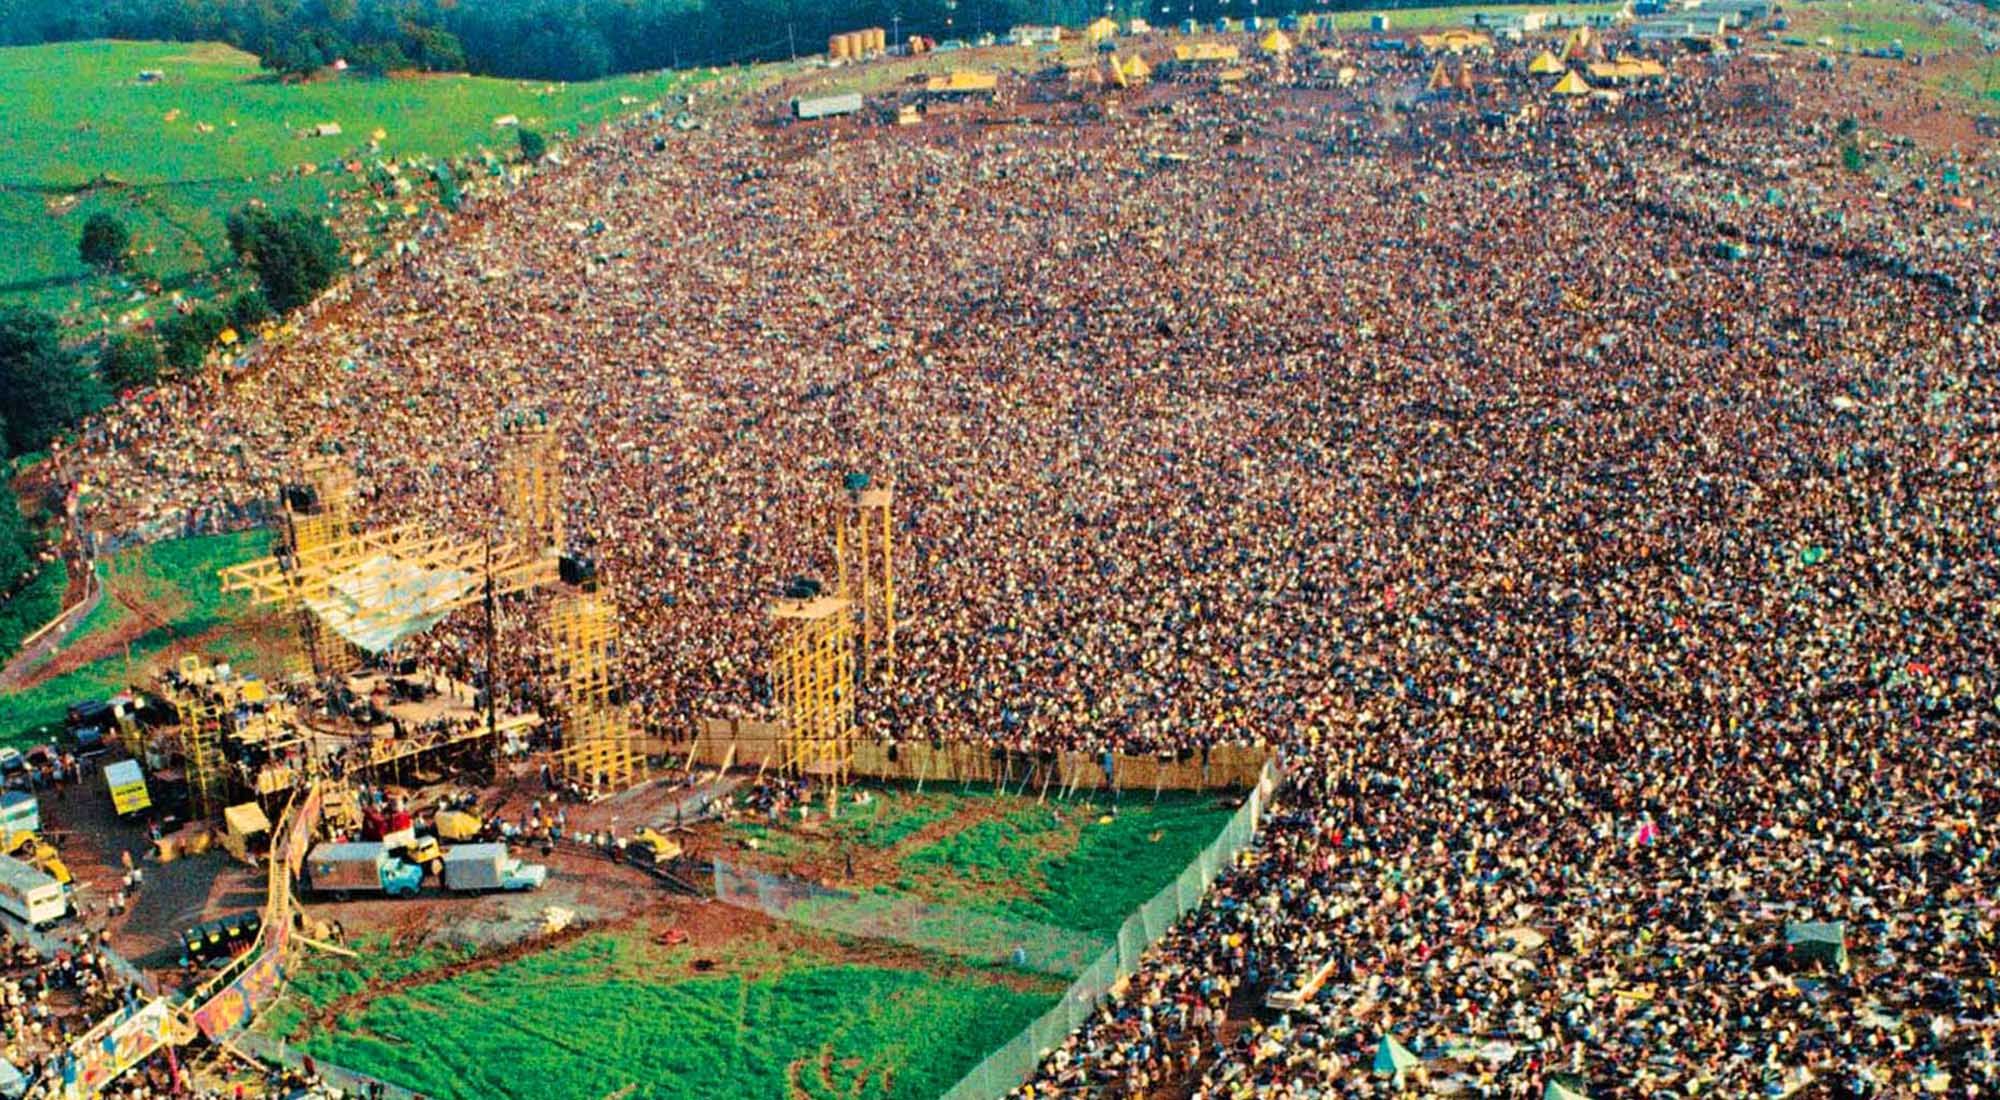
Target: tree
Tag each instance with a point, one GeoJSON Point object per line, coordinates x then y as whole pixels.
{"type": "Point", "coordinates": [186, 337]}
{"type": "Point", "coordinates": [44, 387]}
{"type": "Point", "coordinates": [104, 242]}
{"type": "Point", "coordinates": [130, 360]}
{"type": "Point", "coordinates": [294, 254]}
{"type": "Point", "coordinates": [248, 310]}
{"type": "Point", "coordinates": [17, 541]}
{"type": "Point", "coordinates": [532, 145]}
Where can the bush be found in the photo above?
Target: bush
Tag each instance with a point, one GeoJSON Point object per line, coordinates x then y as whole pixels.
{"type": "Point", "coordinates": [532, 145]}
{"type": "Point", "coordinates": [248, 310]}
{"type": "Point", "coordinates": [130, 360]}
{"type": "Point", "coordinates": [104, 242]}
{"type": "Point", "coordinates": [186, 337]}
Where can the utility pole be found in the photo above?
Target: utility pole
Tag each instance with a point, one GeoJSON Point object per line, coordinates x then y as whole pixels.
{"type": "Point", "coordinates": [791, 42]}
{"type": "Point", "coordinates": [896, 30]}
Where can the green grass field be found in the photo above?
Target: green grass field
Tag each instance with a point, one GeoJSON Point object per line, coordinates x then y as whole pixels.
{"type": "Point", "coordinates": [177, 578]}
{"type": "Point", "coordinates": [773, 1016]}
{"type": "Point", "coordinates": [216, 132]}
{"type": "Point", "coordinates": [35, 603]}
{"type": "Point", "coordinates": [1873, 24]}
{"type": "Point", "coordinates": [1059, 863]}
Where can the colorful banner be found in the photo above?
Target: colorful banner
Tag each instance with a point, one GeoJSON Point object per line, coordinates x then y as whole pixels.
{"type": "Point", "coordinates": [304, 823]}
{"type": "Point", "coordinates": [238, 1002]}
{"type": "Point", "coordinates": [115, 1045]}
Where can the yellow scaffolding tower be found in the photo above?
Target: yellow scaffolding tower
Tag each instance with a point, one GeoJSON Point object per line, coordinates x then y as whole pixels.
{"type": "Point", "coordinates": [319, 517]}
{"type": "Point", "coordinates": [598, 748]}
{"type": "Point", "coordinates": [864, 549]}
{"type": "Point", "coordinates": [530, 476]}
{"type": "Point", "coordinates": [201, 715]}
{"type": "Point", "coordinates": [812, 678]}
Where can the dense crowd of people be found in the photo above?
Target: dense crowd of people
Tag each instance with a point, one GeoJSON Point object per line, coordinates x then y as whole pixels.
{"type": "Point", "coordinates": [1594, 501]}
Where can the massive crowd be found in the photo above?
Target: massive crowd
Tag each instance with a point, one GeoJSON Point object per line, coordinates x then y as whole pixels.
{"type": "Point", "coordinates": [1595, 501]}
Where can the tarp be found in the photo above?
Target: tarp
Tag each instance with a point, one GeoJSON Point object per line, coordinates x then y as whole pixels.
{"type": "Point", "coordinates": [456, 825]}
{"type": "Point", "coordinates": [1393, 1058]}
{"type": "Point", "coordinates": [384, 600]}
{"type": "Point", "coordinates": [1819, 941]}
{"type": "Point", "coordinates": [1571, 84]}
{"type": "Point", "coordinates": [1545, 64]}
{"type": "Point", "coordinates": [12, 1084]}
{"type": "Point", "coordinates": [1100, 30]}
{"type": "Point", "coordinates": [1277, 42]}
{"type": "Point", "coordinates": [1565, 1086]}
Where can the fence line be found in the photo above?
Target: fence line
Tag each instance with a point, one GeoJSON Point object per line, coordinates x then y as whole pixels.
{"type": "Point", "coordinates": [748, 744]}
{"type": "Point", "coordinates": [1006, 1068]}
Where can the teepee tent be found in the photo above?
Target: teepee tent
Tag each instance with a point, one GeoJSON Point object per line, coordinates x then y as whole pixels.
{"type": "Point", "coordinates": [1276, 43]}
{"type": "Point", "coordinates": [1440, 79]}
{"type": "Point", "coordinates": [1545, 64]}
{"type": "Point", "coordinates": [1571, 84]}
{"type": "Point", "coordinates": [1393, 1059]}
{"type": "Point", "coordinates": [1464, 78]}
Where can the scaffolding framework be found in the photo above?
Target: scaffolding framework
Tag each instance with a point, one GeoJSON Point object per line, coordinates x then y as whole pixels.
{"type": "Point", "coordinates": [530, 477]}
{"type": "Point", "coordinates": [598, 748]}
{"type": "Point", "coordinates": [812, 679]}
{"type": "Point", "coordinates": [201, 715]}
{"type": "Point", "coordinates": [326, 520]}
{"type": "Point", "coordinates": [864, 550]}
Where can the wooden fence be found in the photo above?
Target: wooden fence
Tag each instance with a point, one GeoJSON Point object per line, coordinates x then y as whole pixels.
{"type": "Point", "coordinates": [748, 744]}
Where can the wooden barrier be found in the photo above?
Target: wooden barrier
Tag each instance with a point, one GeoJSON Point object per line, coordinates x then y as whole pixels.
{"type": "Point", "coordinates": [724, 742]}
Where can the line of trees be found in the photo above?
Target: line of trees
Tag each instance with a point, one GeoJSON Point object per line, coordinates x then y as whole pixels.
{"type": "Point", "coordinates": [545, 39]}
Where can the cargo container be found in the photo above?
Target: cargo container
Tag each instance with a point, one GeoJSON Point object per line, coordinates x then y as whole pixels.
{"type": "Point", "coordinates": [827, 106]}
{"type": "Point", "coordinates": [489, 867]}
{"type": "Point", "coordinates": [364, 868]}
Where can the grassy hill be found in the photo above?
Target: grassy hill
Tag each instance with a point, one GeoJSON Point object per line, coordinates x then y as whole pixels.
{"type": "Point", "coordinates": [84, 134]}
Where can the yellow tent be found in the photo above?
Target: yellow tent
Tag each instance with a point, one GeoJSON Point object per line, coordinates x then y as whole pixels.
{"type": "Point", "coordinates": [1440, 80]}
{"type": "Point", "coordinates": [1100, 30]}
{"type": "Point", "coordinates": [1544, 64]}
{"type": "Point", "coordinates": [1465, 78]}
{"type": "Point", "coordinates": [1277, 42]}
{"type": "Point", "coordinates": [1136, 70]}
{"type": "Point", "coordinates": [1571, 84]}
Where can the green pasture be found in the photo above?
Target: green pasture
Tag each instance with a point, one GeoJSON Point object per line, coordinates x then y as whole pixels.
{"type": "Point", "coordinates": [612, 1011]}
{"type": "Point", "coordinates": [1873, 24]}
{"type": "Point", "coordinates": [35, 603]}
{"type": "Point", "coordinates": [84, 134]}
{"type": "Point", "coordinates": [178, 579]}
{"type": "Point", "coordinates": [1069, 863]}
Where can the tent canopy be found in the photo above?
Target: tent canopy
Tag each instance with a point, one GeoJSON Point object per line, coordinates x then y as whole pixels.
{"type": "Point", "coordinates": [1276, 42]}
{"type": "Point", "coordinates": [385, 599]}
{"type": "Point", "coordinates": [1545, 64]}
{"type": "Point", "coordinates": [1393, 1058]}
{"type": "Point", "coordinates": [246, 819]}
{"type": "Point", "coordinates": [1571, 84]}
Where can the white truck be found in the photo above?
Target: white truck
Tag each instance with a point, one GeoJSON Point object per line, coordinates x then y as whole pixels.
{"type": "Point", "coordinates": [826, 106]}
{"type": "Point", "coordinates": [488, 867]}
{"type": "Point", "coordinates": [368, 867]}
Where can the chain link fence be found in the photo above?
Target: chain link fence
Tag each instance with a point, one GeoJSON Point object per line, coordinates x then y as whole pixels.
{"type": "Point", "coordinates": [1006, 1068]}
{"type": "Point", "coordinates": [899, 918]}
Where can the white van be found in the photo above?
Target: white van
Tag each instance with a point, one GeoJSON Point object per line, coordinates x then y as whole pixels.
{"type": "Point", "coordinates": [30, 895]}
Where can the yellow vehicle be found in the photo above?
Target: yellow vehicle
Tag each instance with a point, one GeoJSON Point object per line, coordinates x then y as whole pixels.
{"type": "Point", "coordinates": [648, 847]}
{"type": "Point", "coordinates": [423, 852]}
{"type": "Point", "coordinates": [32, 849]}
